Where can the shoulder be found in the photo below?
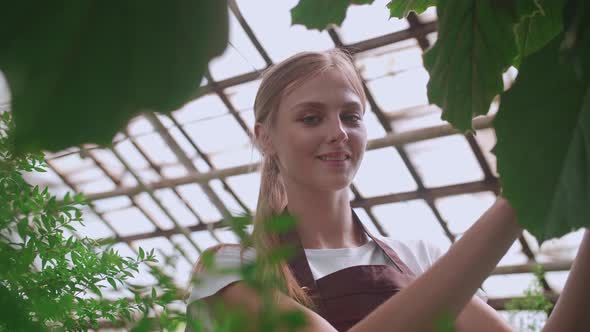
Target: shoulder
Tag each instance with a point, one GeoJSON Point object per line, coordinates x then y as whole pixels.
{"type": "Point", "coordinates": [419, 255]}
{"type": "Point", "coordinates": [217, 267]}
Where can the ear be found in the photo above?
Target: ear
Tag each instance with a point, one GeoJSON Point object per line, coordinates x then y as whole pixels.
{"type": "Point", "coordinates": [263, 139]}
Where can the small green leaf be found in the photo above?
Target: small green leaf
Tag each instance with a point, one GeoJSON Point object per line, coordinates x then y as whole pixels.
{"type": "Point", "coordinates": [95, 289]}
{"type": "Point", "coordinates": [141, 253]}
{"type": "Point", "coordinates": [23, 227]}
{"type": "Point", "coordinates": [112, 282]}
{"type": "Point", "coordinates": [475, 46]}
{"type": "Point", "coordinates": [401, 8]}
{"type": "Point", "coordinates": [280, 224]}
{"type": "Point", "coordinates": [208, 259]}
{"type": "Point", "coordinates": [319, 14]}
{"type": "Point", "coordinates": [154, 294]}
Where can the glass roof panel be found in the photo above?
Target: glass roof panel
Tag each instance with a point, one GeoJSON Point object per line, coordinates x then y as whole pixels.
{"type": "Point", "coordinates": [203, 239]}
{"type": "Point", "coordinates": [417, 117]}
{"type": "Point", "coordinates": [108, 160]}
{"type": "Point", "coordinates": [411, 220]}
{"type": "Point", "coordinates": [70, 163]}
{"type": "Point", "coordinates": [156, 149]}
{"type": "Point", "coordinates": [428, 15]}
{"type": "Point", "coordinates": [179, 240]}
{"type": "Point", "coordinates": [97, 186]}
{"type": "Point", "coordinates": [246, 186]}
{"type": "Point", "coordinates": [374, 127]}
{"type": "Point", "coordinates": [216, 135]}
{"type": "Point", "coordinates": [235, 157]}
{"type": "Point", "coordinates": [139, 126]}
{"type": "Point", "coordinates": [112, 203]}
{"type": "Point", "coordinates": [383, 60]}
{"type": "Point", "coordinates": [153, 210]}
{"type": "Point", "coordinates": [394, 176]}
{"type": "Point", "coordinates": [508, 285]}
{"type": "Point", "coordinates": [240, 56]}
{"type": "Point", "coordinates": [402, 90]}
{"type": "Point", "coordinates": [369, 21]}
{"type": "Point", "coordinates": [444, 161]}
{"type": "Point", "coordinates": [204, 107]}
{"type": "Point", "coordinates": [242, 96]}
{"type": "Point", "coordinates": [173, 171]}
{"type": "Point", "coordinates": [131, 155]}
{"type": "Point", "coordinates": [272, 26]}
{"type": "Point", "coordinates": [93, 227]}
{"type": "Point", "coordinates": [129, 221]}
{"type": "Point", "coordinates": [226, 235]}
{"type": "Point", "coordinates": [228, 200]}
{"type": "Point", "coordinates": [462, 211]}
{"type": "Point", "coordinates": [196, 198]}
{"type": "Point", "coordinates": [486, 139]}
{"type": "Point", "coordinates": [556, 280]}
{"type": "Point", "coordinates": [176, 207]}
{"type": "Point", "coordinates": [561, 249]}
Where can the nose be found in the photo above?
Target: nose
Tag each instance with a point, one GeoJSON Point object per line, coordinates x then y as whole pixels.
{"type": "Point", "coordinates": [337, 132]}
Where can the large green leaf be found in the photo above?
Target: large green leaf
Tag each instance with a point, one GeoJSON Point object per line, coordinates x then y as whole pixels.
{"type": "Point", "coordinates": [536, 30]}
{"type": "Point", "coordinates": [401, 8]}
{"type": "Point", "coordinates": [543, 149]}
{"type": "Point", "coordinates": [475, 46]}
{"type": "Point", "coordinates": [79, 70]}
{"type": "Point", "coordinates": [319, 14]}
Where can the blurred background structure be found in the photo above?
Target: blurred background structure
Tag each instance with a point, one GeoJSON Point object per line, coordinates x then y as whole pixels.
{"type": "Point", "coordinates": [169, 180]}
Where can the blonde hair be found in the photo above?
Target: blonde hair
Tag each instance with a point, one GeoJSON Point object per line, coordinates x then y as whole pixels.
{"type": "Point", "coordinates": [272, 198]}
{"type": "Point", "coordinates": [277, 81]}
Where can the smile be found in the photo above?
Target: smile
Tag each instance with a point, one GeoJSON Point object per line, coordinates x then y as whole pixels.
{"type": "Point", "coordinates": [326, 158]}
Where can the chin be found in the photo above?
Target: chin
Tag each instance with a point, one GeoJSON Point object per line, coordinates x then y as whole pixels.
{"type": "Point", "coordinates": [334, 185]}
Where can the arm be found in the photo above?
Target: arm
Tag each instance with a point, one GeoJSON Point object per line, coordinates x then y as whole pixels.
{"type": "Point", "coordinates": [450, 283]}
{"type": "Point", "coordinates": [479, 316]}
{"type": "Point", "coordinates": [571, 311]}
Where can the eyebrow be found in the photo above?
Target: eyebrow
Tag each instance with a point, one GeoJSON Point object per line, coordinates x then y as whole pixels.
{"type": "Point", "coordinates": [317, 105]}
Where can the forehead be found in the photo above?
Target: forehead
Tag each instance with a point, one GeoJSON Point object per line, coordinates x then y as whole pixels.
{"type": "Point", "coordinates": [330, 88]}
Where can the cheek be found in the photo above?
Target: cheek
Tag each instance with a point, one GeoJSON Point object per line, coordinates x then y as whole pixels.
{"type": "Point", "coordinates": [360, 137]}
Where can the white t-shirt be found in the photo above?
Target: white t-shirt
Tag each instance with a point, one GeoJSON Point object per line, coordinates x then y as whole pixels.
{"type": "Point", "coordinates": [417, 255]}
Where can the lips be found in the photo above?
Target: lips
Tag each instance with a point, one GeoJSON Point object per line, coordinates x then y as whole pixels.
{"type": "Point", "coordinates": [335, 156]}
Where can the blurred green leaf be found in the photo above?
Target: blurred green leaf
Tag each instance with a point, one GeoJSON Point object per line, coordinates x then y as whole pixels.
{"type": "Point", "coordinates": [80, 70]}
{"type": "Point", "coordinates": [547, 114]}
{"type": "Point", "coordinates": [319, 14]}
{"type": "Point", "coordinates": [280, 224]}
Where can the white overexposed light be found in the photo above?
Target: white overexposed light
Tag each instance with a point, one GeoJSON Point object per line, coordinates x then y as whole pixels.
{"type": "Point", "coordinates": [444, 161]}
{"type": "Point", "coordinates": [272, 26]}
{"type": "Point", "coordinates": [240, 56]}
{"type": "Point", "coordinates": [383, 172]}
{"type": "Point", "coordinates": [369, 21]}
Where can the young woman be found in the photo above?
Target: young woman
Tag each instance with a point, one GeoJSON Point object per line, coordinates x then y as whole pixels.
{"type": "Point", "coordinates": [309, 126]}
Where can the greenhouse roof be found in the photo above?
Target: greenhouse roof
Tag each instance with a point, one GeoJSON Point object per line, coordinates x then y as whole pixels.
{"type": "Point", "coordinates": [169, 179]}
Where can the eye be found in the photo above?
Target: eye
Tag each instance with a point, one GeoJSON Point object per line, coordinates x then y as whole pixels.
{"type": "Point", "coordinates": [352, 118]}
{"type": "Point", "coordinates": [310, 119]}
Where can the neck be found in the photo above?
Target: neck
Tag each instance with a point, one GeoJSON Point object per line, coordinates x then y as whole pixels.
{"type": "Point", "coordinates": [325, 219]}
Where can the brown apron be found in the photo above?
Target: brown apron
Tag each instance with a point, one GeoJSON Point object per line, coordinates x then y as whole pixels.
{"type": "Point", "coordinates": [347, 296]}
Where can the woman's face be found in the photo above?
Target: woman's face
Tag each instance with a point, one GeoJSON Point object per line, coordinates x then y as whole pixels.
{"type": "Point", "coordinates": [319, 136]}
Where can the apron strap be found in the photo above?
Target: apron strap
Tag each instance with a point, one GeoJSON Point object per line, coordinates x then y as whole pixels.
{"type": "Point", "coordinates": [389, 252]}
